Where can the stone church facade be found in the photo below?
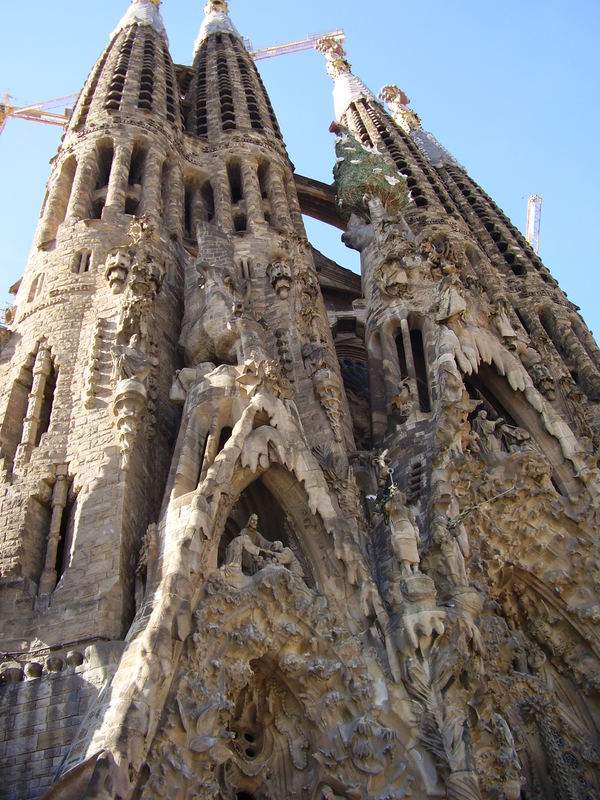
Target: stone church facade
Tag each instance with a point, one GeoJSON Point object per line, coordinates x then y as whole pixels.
{"type": "Point", "coordinates": [270, 529]}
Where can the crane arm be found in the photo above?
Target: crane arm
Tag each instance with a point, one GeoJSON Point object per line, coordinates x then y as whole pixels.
{"type": "Point", "coordinates": [296, 47]}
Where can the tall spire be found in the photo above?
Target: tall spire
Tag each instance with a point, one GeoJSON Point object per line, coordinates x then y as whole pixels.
{"type": "Point", "coordinates": [142, 12]}
{"type": "Point", "coordinates": [216, 20]}
{"type": "Point", "coordinates": [410, 122]}
{"type": "Point", "coordinates": [347, 87]}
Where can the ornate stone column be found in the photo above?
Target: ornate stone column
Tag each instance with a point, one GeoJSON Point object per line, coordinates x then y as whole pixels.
{"type": "Point", "coordinates": [41, 370]}
{"type": "Point", "coordinates": [119, 175]}
{"type": "Point", "coordinates": [151, 188]}
{"type": "Point", "coordinates": [59, 502]}
{"type": "Point", "coordinates": [83, 185]}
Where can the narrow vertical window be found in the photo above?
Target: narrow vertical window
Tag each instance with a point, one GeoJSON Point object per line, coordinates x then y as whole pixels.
{"type": "Point", "coordinates": [169, 86]}
{"type": "Point", "coordinates": [264, 180]}
{"type": "Point", "coordinates": [416, 340]}
{"type": "Point", "coordinates": [401, 356]}
{"type": "Point", "coordinates": [234, 174]}
{"type": "Point", "coordinates": [225, 88]}
{"type": "Point", "coordinates": [208, 200]}
{"type": "Point", "coordinates": [16, 411]}
{"type": "Point", "coordinates": [135, 179]}
{"type": "Point", "coordinates": [106, 154]}
{"type": "Point", "coordinates": [146, 92]}
{"type": "Point", "coordinates": [114, 95]}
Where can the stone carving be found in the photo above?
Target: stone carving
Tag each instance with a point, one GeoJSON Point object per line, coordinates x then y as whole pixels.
{"type": "Point", "coordinates": [280, 276]}
{"type": "Point", "coordinates": [250, 552]}
{"type": "Point", "coordinates": [93, 368]}
{"type": "Point", "coordinates": [285, 356]}
{"type": "Point", "coordinates": [332, 49]}
{"type": "Point", "coordinates": [129, 405]}
{"type": "Point", "coordinates": [116, 271]}
{"type": "Point", "coordinates": [451, 303]}
{"type": "Point", "coordinates": [404, 534]}
{"type": "Point", "coordinates": [404, 402]}
{"type": "Point", "coordinates": [144, 573]}
{"type": "Point", "coordinates": [327, 386]}
{"type": "Point", "coordinates": [398, 103]}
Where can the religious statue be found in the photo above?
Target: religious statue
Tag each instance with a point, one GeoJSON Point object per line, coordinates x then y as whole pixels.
{"type": "Point", "coordinates": [404, 534]}
{"type": "Point", "coordinates": [250, 552]}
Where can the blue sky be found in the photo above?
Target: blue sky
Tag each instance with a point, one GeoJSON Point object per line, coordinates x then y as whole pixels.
{"type": "Point", "coordinates": [511, 89]}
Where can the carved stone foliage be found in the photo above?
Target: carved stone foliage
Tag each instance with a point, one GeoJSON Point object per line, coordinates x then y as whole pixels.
{"type": "Point", "coordinates": [257, 698]}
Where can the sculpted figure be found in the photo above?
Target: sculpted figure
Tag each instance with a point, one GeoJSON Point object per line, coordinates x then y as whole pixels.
{"type": "Point", "coordinates": [451, 302]}
{"type": "Point", "coordinates": [404, 534]}
{"type": "Point", "coordinates": [245, 550]}
{"type": "Point", "coordinates": [516, 438]}
{"type": "Point", "coordinates": [249, 552]}
{"type": "Point", "coordinates": [130, 361]}
{"type": "Point", "coordinates": [451, 558]}
{"type": "Point", "coordinates": [286, 558]}
{"type": "Point", "coordinates": [402, 403]}
{"type": "Point", "coordinates": [485, 431]}
{"type": "Point", "coordinates": [314, 355]}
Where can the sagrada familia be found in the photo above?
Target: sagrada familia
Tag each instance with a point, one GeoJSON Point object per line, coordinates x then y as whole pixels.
{"type": "Point", "coordinates": [272, 530]}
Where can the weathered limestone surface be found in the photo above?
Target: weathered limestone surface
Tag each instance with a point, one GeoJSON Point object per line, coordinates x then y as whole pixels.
{"type": "Point", "coordinates": [272, 530]}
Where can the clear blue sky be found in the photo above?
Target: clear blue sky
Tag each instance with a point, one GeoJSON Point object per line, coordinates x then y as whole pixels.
{"type": "Point", "coordinates": [511, 88]}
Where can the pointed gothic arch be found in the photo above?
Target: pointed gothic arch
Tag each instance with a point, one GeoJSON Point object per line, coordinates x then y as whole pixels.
{"type": "Point", "coordinates": [490, 387]}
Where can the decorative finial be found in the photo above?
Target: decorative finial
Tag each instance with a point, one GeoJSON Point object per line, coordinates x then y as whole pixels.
{"type": "Point", "coordinates": [219, 6]}
{"type": "Point", "coordinates": [337, 63]}
{"type": "Point", "coordinates": [398, 102]}
{"type": "Point", "coordinates": [142, 12]}
{"type": "Point", "coordinates": [410, 123]}
{"type": "Point", "coordinates": [216, 20]}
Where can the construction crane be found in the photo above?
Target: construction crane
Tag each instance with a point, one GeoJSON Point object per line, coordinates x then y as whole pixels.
{"type": "Point", "coordinates": [534, 221]}
{"type": "Point", "coordinates": [38, 112]}
{"type": "Point", "coordinates": [45, 112]}
{"type": "Point", "coordinates": [310, 43]}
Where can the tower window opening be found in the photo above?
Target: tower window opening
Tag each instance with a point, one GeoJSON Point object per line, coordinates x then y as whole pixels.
{"type": "Point", "coordinates": [359, 126]}
{"type": "Point", "coordinates": [136, 166]}
{"type": "Point", "coordinates": [401, 356]}
{"type": "Point", "coordinates": [91, 91]}
{"type": "Point", "coordinates": [264, 180]}
{"type": "Point", "coordinates": [418, 351]}
{"type": "Point", "coordinates": [114, 96]}
{"type": "Point", "coordinates": [136, 178]}
{"type": "Point", "coordinates": [104, 167]}
{"type": "Point", "coordinates": [208, 200]}
{"type": "Point", "coordinates": [16, 411]}
{"type": "Point", "coordinates": [170, 87]}
{"type": "Point", "coordinates": [47, 404]}
{"type": "Point", "coordinates": [145, 96]}
{"type": "Point", "coordinates": [82, 262]}
{"type": "Point", "coordinates": [105, 160]}
{"type": "Point", "coordinates": [415, 479]}
{"type": "Point", "coordinates": [240, 223]}
{"type": "Point", "coordinates": [200, 126]}
{"type": "Point", "coordinates": [65, 540]}
{"type": "Point", "coordinates": [253, 110]}
{"type": "Point", "coordinates": [225, 89]}
{"type": "Point", "coordinates": [234, 173]}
